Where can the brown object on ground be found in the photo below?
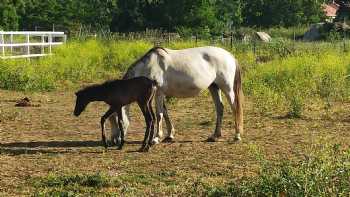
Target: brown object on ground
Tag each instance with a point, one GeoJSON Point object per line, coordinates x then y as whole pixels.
{"type": "Point", "coordinates": [25, 102]}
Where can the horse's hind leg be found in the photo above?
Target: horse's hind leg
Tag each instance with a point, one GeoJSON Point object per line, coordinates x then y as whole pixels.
{"type": "Point", "coordinates": [219, 107]}
{"type": "Point", "coordinates": [231, 100]}
{"type": "Point", "coordinates": [103, 120]}
{"type": "Point", "coordinates": [159, 97]}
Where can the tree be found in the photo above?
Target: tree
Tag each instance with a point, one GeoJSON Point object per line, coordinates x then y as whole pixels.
{"type": "Point", "coordinates": [10, 14]}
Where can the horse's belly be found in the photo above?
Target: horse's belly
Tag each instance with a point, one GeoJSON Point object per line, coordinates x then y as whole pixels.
{"type": "Point", "coordinates": [186, 85]}
{"type": "Point", "coordinates": [182, 91]}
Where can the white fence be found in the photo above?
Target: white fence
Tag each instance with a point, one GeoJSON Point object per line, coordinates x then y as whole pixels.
{"type": "Point", "coordinates": [18, 44]}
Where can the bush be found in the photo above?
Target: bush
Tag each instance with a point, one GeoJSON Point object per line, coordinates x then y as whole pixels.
{"type": "Point", "coordinates": [297, 80]}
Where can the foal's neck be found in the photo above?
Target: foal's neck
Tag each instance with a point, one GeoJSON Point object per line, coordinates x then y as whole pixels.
{"type": "Point", "coordinates": [97, 93]}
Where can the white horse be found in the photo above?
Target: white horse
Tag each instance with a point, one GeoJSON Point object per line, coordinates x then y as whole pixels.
{"type": "Point", "coordinates": [184, 73]}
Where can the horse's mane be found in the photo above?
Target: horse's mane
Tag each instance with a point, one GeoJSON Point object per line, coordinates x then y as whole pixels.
{"type": "Point", "coordinates": [146, 55]}
{"type": "Point", "coordinates": [93, 87]}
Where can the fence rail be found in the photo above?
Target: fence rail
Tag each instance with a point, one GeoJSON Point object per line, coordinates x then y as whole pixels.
{"type": "Point", "coordinates": [24, 44]}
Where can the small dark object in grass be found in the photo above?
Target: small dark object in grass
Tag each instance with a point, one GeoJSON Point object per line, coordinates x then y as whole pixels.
{"type": "Point", "coordinates": [25, 102]}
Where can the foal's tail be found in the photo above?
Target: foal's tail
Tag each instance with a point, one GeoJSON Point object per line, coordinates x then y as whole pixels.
{"type": "Point", "coordinates": [239, 99]}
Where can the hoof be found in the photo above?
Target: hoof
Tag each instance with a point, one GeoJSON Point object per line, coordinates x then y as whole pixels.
{"type": "Point", "coordinates": [105, 144]}
{"type": "Point", "coordinates": [168, 140]}
{"type": "Point", "coordinates": [238, 138]}
{"type": "Point", "coordinates": [156, 140]}
{"type": "Point", "coordinates": [212, 139]}
{"type": "Point", "coordinates": [111, 143]}
{"type": "Point", "coordinates": [144, 149]}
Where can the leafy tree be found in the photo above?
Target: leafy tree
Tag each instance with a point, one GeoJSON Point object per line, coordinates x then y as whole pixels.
{"type": "Point", "coordinates": [286, 13]}
{"type": "Point", "coordinates": [10, 11]}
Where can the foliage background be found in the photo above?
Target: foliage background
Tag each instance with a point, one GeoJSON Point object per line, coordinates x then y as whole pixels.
{"type": "Point", "coordinates": [196, 16]}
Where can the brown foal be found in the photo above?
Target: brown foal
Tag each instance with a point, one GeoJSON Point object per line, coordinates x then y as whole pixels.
{"type": "Point", "coordinates": [116, 94]}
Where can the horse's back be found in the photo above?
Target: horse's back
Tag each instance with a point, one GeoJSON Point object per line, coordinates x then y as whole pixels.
{"type": "Point", "coordinates": [191, 70]}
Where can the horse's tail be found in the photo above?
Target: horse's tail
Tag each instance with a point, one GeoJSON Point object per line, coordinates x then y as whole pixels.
{"type": "Point", "coordinates": [239, 99]}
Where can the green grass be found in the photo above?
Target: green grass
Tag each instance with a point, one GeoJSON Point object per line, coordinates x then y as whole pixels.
{"type": "Point", "coordinates": [72, 185]}
{"type": "Point", "coordinates": [325, 171]}
{"type": "Point", "coordinates": [72, 63]}
{"type": "Point", "coordinates": [281, 75]}
{"type": "Point", "coordinates": [298, 80]}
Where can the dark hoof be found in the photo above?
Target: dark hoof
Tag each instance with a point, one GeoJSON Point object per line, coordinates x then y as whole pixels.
{"type": "Point", "coordinates": [144, 149]}
{"type": "Point", "coordinates": [112, 143]}
{"type": "Point", "coordinates": [105, 144]}
{"type": "Point", "coordinates": [168, 140]}
{"type": "Point", "coordinates": [211, 139]}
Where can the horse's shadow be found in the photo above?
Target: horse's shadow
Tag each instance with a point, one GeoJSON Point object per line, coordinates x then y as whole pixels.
{"type": "Point", "coordinates": [51, 147]}
{"type": "Point", "coordinates": [59, 147]}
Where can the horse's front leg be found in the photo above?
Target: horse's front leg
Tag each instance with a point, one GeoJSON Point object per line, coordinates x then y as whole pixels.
{"type": "Point", "coordinates": [169, 125]}
{"type": "Point", "coordinates": [159, 116]}
{"type": "Point", "coordinates": [115, 133]}
{"type": "Point", "coordinates": [103, 120]}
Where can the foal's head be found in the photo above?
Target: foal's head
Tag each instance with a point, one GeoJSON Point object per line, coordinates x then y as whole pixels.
{"type": "Point", "coordinates": [81, 103]}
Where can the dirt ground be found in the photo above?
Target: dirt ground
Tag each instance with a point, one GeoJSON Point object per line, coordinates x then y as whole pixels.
{"type": "Point", "coordinates": [47, 139]}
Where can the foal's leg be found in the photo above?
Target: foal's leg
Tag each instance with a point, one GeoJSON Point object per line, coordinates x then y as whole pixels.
{"type": "Point", "coordinates": [120, 123]}
{"type": "Point", "coordinates": [150, 108]}
{"type": "Point", "coordinates": [148, 119]}
{"type": "Point", "coordinates": [103, 119]}
{"type": "Point", "coordinates": [219, 107]}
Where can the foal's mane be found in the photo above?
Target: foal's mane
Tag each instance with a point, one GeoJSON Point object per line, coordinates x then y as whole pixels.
{"type": "Point", "coordinates": [143, 58]}
{"type": "Point", "coordinates": [93, 87]}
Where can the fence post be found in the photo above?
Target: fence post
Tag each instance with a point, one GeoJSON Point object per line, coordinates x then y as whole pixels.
{"type": "Point", "coordinates": [28, 41]}
{"type": "Point", "coordinates": [42, 46]}
{"type": "Point", "coordinates": [254, 48]}
{"type": "Point", "coordinates": [50, 42]}
{"type": "Point", "coordinates": [231, 40]}
{"type": "Point", "coordinates": [2, 42]}
{"type": "Point", "coordinates": [11, 42]}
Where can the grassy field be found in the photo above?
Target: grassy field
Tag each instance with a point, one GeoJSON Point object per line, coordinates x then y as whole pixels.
{"type": "Point", "coordinates": [296, 140]}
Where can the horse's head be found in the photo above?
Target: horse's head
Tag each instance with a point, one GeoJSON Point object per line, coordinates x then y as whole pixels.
{"type": "Point", "coordinates": [80, 104]}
